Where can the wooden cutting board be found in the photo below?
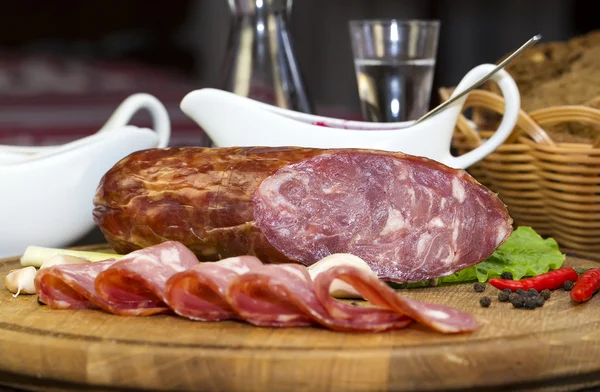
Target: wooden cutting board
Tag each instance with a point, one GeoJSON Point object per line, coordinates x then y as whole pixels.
{"type": "Point", "coordinates": [556, 347]}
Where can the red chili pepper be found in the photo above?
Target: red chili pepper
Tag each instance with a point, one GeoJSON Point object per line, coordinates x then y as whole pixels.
{"type": "Point", "coordinates": [551, 280]}
{"type": "Point", "coordinates": [586, 285]}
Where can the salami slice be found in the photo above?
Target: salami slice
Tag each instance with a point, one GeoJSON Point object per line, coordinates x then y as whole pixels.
{"type": "Point", "coordinates": [135, 285]}
{"type": "Point", "coordinates": [441, 318]}
{"type": "Point", "coordinates": [410, 219]}
{"type": "Point", "coordinates": [200, 292]}
{"type": "Point", "coordinates": [283, 296]}
{"type": "Point", "coordinates": [71, 286]}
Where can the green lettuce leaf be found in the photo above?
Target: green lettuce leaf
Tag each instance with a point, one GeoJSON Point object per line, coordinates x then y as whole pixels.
{"type": "Point", "coordinates": [524, 253]}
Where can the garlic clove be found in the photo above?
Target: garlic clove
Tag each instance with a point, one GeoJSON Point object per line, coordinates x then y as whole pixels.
{"type": "Point", "coordinates": [62, 259]}
{"type": "Point", "coordinates": [20, 281]}
{"type": "Point", "coordinates": [338, 288]}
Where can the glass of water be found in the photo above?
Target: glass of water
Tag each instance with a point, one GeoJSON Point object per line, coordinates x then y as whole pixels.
{"type": "Point", "coordinates": [394, 62]}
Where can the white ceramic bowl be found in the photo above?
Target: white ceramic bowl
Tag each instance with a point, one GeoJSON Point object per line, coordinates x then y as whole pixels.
{"type": "Point", "coordinates": [46, 193]}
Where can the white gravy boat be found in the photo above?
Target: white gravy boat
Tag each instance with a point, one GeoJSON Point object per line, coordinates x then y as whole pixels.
{"type": "Point", "coordinates": [46, 193]}
{"type": "Point", "coordinates": [232, 120]}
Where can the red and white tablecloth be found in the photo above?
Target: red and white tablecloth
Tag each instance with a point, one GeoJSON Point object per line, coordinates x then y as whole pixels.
{"type": "Point", "coordinates": [47, 100]}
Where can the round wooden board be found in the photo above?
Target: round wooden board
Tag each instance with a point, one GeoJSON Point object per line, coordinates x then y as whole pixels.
{"type": "Point", "coordinates": [556, 347]}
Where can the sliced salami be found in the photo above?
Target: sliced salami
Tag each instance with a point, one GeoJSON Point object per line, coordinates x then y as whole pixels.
{"type": "Point", "coordinates": [283, 296]}
{"type": "Point", "coordinates": [441, 318]}
{"type": "Point", "coordinates": [409, 218]}
{"type": "Point", "coordinates": [200, 292]}
{"type": "Point", "coordinates": [71, 286]}
{"type": "Point", "coordinates": [135, 285]}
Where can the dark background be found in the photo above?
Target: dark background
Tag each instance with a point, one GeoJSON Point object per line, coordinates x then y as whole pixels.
{"type": "Point", "coordinates": [189, 37]}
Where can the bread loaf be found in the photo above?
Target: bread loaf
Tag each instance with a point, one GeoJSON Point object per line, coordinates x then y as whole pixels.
{"type": "Point", "coordinates": [560, 73]}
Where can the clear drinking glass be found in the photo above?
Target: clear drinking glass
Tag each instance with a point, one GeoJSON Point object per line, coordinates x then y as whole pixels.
{"type": "Point", "coordinates": [394, 62]}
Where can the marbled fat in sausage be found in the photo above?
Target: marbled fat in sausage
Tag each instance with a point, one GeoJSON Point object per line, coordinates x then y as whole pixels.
{"type": "Point", "coordinates": [409, 218]}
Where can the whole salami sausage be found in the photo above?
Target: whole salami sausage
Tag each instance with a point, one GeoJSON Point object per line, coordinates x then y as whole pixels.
{"type": "Point", "coordinates": [409, 218]}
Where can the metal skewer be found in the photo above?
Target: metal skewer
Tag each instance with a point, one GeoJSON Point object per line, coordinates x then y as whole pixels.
{"type": "Point", "coordinates": [477, 83]}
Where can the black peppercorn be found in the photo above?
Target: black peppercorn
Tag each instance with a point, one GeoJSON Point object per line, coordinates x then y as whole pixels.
{"type": "Point", "coordinates": [506, 275]}
{"type": "Point", "coordinates": [529, 303]}
{"type": "Point", "coordinates": [540, 301]}
{"type": "Point", "coordinates": [503, 295]}
{"type": "Point", "coordinates": [568, 285]}
{"type": "Point", "coordinates": [485, 301]}
{"type": "Point", "coordinates": [516, 300]}
{"type": "Point", "coordinates": [545, 294]}
{"type": "Point", "coordinates": [479, 287]}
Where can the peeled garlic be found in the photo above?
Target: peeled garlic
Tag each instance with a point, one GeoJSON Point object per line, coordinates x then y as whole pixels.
{"type": "Point", "coordinates": [338, 288]}
{"type": "Point", "coordinates": [62, 259]}
{"type": "Point", "coordinates": [20, 281]}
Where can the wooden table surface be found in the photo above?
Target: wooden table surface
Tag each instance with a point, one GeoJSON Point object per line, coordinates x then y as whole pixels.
{"type": "Point", "coordinates": [553, 348]}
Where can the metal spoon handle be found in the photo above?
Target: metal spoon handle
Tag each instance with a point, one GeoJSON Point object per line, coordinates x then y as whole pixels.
{"type": "Point", "coordinates": [530, 42]}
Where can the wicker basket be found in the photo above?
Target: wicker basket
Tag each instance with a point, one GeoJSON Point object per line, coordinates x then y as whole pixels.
{"type": "Point", "coordinates": [552, 187]}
